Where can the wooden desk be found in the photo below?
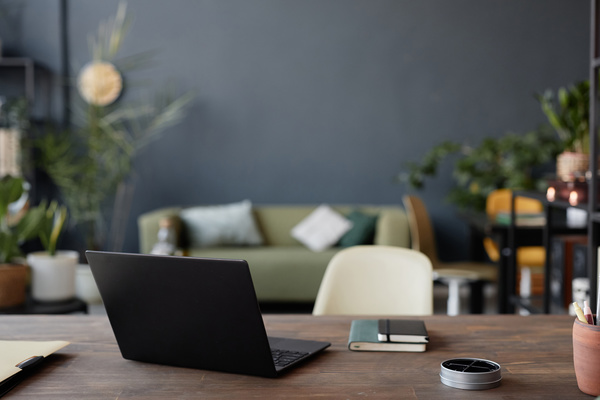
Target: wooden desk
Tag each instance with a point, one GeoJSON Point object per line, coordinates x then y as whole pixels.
{"type": "Point", "coordinates": [535, 353]}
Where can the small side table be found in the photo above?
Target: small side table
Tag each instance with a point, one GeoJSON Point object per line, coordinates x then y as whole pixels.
{"type": "Point", "coordinates": [55, 307]}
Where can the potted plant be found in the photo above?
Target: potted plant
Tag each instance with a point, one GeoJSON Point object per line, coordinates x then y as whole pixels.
{"type": "Point", "coordinates": [505, 162]}
{"type": "Point", "coordinates": [91, 162]}
{"type": "Point", "coordinates": [52, 271]}
{"type": "Point", "coordinates": [567, 112]}
{"type": "Point", "coordinates": [16, 227]}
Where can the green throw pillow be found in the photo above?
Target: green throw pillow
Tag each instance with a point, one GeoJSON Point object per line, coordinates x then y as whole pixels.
{"type": "Point", "coordinates": [362, 232]}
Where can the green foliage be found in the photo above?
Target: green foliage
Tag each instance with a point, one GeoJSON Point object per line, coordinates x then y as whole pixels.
{"type": "Point", "coordinates": [52, 223]}
{"type": "Point", "coordinates": [417, 172]}
{"type": "Point", "coordinates": [567, 112]}
{"type": "Point", "coordinates": [13, 113]}
{"type": "Point", "coordinates": [11, 190]}
{"type": "Point", "coordinates": [91, 161]}
{"type": "Point", "coordinates": [14, 231]}
{"type": "Point", "coordinates": [506, 162]}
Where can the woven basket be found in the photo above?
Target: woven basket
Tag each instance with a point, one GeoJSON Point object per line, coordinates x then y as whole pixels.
{"type": "Point", "coordinates": [13, 279]}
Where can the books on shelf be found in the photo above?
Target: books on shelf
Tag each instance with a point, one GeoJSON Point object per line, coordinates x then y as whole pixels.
{"type": "Point", "coordinates": [365, 335]}
{"type": "Point", "coordinates": [522, 219]}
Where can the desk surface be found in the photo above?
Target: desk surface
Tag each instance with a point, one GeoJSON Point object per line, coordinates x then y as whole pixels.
{"type": "Point", "coordinates": [535, 353]}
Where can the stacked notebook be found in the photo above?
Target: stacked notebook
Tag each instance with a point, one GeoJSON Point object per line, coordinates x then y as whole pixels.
{"type": "Point", "coordinates": [388, 335]}
{"type": "Point", "coordinates": [522, 219]}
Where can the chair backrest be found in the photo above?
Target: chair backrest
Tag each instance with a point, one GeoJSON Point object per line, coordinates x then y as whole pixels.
{"type": "Point", "coordinates": [376, 280]}
{"type": "Point", "coordinates": [500, 200]}
{"type": "Point", "coordinates": [421, 229]}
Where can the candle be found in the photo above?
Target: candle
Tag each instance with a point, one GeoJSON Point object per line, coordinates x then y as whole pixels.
{"type": "Point", "coordinates": [551, 194]}
{"type": "Point", "coordinates": [573, 198]}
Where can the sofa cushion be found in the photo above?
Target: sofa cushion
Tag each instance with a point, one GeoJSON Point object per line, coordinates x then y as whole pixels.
{"type": "Point", "coordinates": [362, 232]}
{"type": "Point", "coordinates": [321, 229]}
{"type": "Point", "coordinates": [222, 225]}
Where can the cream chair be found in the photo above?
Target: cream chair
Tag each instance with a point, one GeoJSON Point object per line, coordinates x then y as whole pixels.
{"type": "Point", "coordinates": [453, 274]}
{"type": "Point", "coordinates": [376, 280]}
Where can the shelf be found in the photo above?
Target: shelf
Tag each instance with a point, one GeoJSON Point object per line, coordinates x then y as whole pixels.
{"type": "Point", "coordinates": [16, 62]}
{"type": "Point", "coordinates": [564, 204]}
{"type": "Point", "coordinates": [29, 66]}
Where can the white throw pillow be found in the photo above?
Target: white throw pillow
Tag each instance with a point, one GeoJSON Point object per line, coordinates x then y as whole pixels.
{"type": "Point", "coordinates": [223, 225]}
{"type": "Point", "coordinates": [321, 229]}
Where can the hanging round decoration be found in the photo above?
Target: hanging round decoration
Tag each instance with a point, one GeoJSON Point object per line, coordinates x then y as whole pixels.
{"type": "Point", "coordinates": [99, 83]}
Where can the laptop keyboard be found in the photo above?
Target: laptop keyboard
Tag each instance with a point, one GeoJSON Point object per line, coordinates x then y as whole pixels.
{"type": "Point", "coordinates": [286, 357]}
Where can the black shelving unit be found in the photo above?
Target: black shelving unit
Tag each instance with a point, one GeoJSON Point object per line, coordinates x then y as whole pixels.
{"type": "Point", "coordinates": [24, 77]}
{"type": "Point", "coordinates": [556, 225]}
{"type": "Point", "coordinates": [594, 215]}
{"type": "Point", "coordinates": [555, 210]}
{"type": "Point", "coordinates": [28, 67]}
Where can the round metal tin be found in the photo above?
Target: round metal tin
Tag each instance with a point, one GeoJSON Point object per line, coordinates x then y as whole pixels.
{"type": "Point", "coordinates": [471, 373]}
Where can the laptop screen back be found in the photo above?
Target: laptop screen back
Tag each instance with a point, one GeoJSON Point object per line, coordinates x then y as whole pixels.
{"type": "Point", "coordinates": [182, 311]}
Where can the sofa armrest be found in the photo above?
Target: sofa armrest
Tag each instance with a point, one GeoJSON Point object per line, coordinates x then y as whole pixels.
{"type": "Point", "coordinates": [392, 228]}
{"type": "Point", "coordinates": [148, 225]}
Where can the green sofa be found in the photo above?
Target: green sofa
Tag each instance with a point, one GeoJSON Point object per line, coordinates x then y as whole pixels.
{"type": "Point", "coordinates": [283, 270]}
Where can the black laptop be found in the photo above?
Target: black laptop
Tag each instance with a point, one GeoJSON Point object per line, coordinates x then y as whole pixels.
{"type": "Point", "coordinates": [191, 312]}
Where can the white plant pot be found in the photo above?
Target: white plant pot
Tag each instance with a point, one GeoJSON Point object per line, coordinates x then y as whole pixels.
{"type": "Point", "coordinates": [85, 285]}
{"type": "Point", "coordinates": [53, 277]}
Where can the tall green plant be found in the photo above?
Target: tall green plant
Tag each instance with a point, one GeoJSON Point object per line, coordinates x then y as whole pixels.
{"type": "Point", "coordinates": [91, 162]}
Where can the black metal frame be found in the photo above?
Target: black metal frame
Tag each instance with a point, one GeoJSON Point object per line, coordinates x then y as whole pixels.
{"type": "Point", "coordinates": [594, 215]}
{"type": "Point", "coordinates": [28, 65]}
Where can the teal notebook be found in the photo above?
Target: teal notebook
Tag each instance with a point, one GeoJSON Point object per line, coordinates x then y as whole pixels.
{"type": "Point", "coordinates": [363, 337]}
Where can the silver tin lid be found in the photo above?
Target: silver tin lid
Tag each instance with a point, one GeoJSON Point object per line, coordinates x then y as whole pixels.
{"type": "Point", "coordinates": [471, 373]}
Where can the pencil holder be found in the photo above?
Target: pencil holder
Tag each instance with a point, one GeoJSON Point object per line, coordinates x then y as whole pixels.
{"type": "Point", "coordinates": [586, 357]}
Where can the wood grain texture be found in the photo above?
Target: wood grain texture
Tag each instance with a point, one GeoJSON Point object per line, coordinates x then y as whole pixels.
{"type": "Point", "coordinates": [535, 353]}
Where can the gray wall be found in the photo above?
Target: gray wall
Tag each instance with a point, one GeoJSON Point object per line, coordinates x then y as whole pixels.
{"type": "Point", "coordinates": [311, 101]}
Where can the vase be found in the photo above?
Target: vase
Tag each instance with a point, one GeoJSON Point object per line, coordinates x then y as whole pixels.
{"type": "Point", "coordinates": [13, 280]}
{"type": "Point", "coordinates": [586, 357]}
{"type": "Point", "coordinates": [53, 277]}
{"type": "Point", "coordinates": [571, 165]}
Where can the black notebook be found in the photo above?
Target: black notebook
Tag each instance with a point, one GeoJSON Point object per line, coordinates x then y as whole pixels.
{"type": "Point", "coordinates": [402, 330]}
{"type": "Point", "coordinates": [363, 337]}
